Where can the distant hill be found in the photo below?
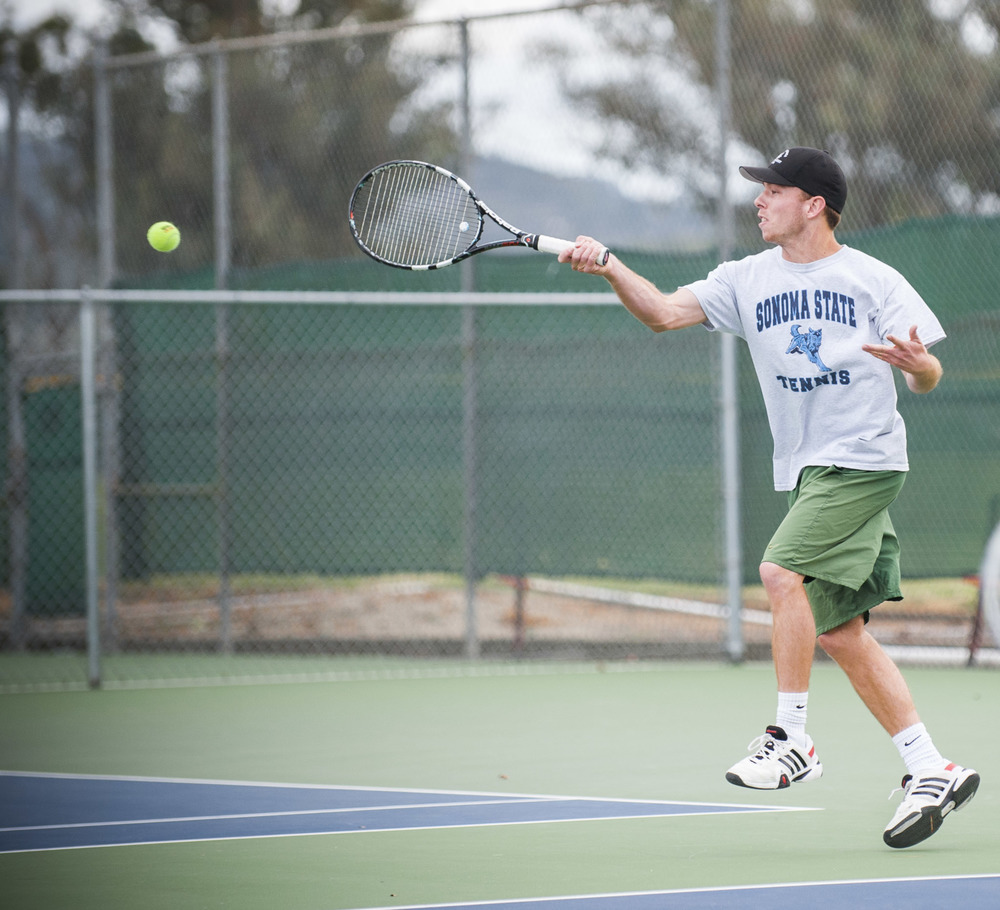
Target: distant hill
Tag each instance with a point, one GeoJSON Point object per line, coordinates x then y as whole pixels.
{"type": "Point", "coordinates": [568, 206]}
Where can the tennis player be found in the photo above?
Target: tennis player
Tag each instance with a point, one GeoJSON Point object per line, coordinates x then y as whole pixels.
{"type": "Point", "coordinates": [825, 325]}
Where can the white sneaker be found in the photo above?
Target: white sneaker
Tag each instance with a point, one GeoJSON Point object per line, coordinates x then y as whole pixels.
{"type": "Point", "coordinates": [927, 799]}
{"type": "Point", "coordinates": [776, 763]}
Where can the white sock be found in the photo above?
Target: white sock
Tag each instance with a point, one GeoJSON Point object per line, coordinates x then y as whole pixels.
{"type": "Point", "coordinates": [791, 715]}
{"type": "Point", "coordinates": [917, 749]}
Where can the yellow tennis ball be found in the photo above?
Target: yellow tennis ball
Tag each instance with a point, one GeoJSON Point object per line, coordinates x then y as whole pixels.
{"type": "Point", "coordinates": [163, 236]}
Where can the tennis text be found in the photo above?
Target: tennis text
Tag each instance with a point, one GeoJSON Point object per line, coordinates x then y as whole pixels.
{"type": "Point", "coordinates": [808, 383]}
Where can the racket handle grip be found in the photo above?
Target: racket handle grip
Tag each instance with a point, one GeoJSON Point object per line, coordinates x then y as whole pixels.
{"type": "Point", "coordinates": [555, 246]}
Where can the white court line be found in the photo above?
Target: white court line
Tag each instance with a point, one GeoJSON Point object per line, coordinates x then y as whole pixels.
{"type": "Point", "coordinates": [228, 837]}
{"type": "Point", "coordinates": [492, 794]}
{"type": "Point", "coordinates": [482, 799]}
{"type": "Point", "coordinates": [673, 891]}
{"type": "Point", "coordinates": [289, 814]}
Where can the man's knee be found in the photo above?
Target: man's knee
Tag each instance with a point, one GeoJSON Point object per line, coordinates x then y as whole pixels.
{"type": "Point", "coordinates": [843, 638]}
{"type": "Point", "coordinates": [778, 579]}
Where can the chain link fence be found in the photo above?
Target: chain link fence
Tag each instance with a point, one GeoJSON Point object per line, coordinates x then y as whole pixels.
{"type": "Point", "coordinates": [298, 454]}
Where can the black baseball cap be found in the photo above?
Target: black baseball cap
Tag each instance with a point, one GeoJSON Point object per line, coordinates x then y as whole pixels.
{"type": "Point", "coordinates": [811, 170]}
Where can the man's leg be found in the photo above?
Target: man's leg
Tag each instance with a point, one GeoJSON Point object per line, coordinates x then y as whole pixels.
{"type": "Point", "coordinates": [793, 633]}
{"type": "Point", "coordinates": [784, 754]}
{"type": "Point", "coordinates": [933, 786]}
{"type": "Point", "coordinates": [874, 675]}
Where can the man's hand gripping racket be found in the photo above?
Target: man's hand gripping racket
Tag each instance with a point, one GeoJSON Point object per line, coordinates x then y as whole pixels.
{"type": "Point", "coordinates": [418, 216]}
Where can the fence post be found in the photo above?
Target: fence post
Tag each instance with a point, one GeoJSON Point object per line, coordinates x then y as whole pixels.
{"type": "Point", "coordinates": [221, 181]}
{"type": "Point", "coordinates": [88, 414]}
{"type": "Point", "coordinates": [17, 454]}
{"type": "Point", "coordinates": [104, 160]}
{"type": "Point", "coordinates": [469, 386]}
{"type": "Point", "coordinates": [221, 187]}
{"type": "Point", "coordinates": [109, 441]}
{"type": "Point", "coordinates": [989, 585]}
{"type": "Point", "coordinates": [17, 479]}
{"type": "Point", "coordinates": [12, 76]}
{"type": "Point", "coordinates": [729, 411]}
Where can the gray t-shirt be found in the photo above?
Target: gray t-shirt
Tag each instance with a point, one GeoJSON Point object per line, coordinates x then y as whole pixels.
{"type": "Point", "coordinates": [828, 402]}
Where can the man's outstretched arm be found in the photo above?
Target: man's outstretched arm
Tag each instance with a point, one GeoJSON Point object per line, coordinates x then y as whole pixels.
{"type": "Point", "coordinates": [661, 312]}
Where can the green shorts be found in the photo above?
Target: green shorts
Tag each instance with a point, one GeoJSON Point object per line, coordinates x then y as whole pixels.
{"type": "Point", "coordinates": [838, 535]}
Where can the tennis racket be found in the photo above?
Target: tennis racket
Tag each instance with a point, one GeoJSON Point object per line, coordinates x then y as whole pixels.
{"type": "Point", "coordinates": [418, 216]}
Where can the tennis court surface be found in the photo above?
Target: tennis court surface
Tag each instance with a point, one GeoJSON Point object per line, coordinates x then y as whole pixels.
{"type": "Point", "coordinates": [53, 812]}
{"type": "Point", "coordinates": [577, 789]}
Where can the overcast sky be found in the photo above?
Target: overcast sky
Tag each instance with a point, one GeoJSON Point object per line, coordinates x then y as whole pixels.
{"type": "Point", "coordinates": [546, 134]}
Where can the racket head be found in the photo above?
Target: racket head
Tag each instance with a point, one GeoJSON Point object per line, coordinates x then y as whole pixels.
{"type": "Point", "coordinates": [415, 215]}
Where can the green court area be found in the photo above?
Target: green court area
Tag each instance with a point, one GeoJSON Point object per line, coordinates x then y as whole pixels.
{"type": "Point", "coordinates": [618, 731]}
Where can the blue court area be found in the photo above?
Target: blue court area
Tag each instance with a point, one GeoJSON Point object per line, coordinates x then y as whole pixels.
{"type": "Point", "coordinates": [58, 812]}
{"type": "Point", "coordinates": [897, 894]}
{"type": "Point", "coordinates": [48, 812]}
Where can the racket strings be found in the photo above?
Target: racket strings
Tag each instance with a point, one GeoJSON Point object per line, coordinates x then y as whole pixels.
{"type": "Point", "coordinates": [414, 215]}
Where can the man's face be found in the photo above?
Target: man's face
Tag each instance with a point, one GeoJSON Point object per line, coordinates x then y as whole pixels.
{"type": "Point", "coordinates": [782, 212]}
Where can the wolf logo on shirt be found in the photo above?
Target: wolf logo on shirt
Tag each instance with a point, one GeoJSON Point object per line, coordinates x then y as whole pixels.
{"type": "Point", "coordinates": [808, 344]}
